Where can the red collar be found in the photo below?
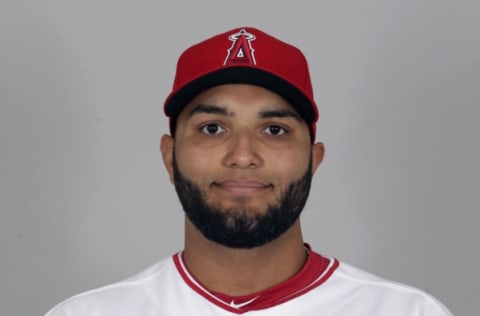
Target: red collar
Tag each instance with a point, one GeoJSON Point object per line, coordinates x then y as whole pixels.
{"type": "Point", "coordinates": [317, 270]}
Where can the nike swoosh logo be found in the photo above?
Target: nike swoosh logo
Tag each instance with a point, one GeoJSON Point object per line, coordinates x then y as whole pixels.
{"type": "Point", "coordinates": [240, 305]}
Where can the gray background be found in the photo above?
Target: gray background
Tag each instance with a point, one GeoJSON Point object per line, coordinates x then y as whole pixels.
{"type": "Point", "coordinates": [84, 198]}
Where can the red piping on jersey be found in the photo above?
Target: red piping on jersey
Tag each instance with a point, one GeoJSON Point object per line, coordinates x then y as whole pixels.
{"type": "Point", "coordinates": [316, 271]}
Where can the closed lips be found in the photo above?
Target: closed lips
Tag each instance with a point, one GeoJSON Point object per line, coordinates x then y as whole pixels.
{"type": "Point", "coordinates": [241, 185]}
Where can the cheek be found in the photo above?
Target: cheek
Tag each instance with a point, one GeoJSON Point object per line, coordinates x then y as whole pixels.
{"type": "Point", "coordinates": [194, 163]}
{"type": "Point", "coordinates": [290, 165]}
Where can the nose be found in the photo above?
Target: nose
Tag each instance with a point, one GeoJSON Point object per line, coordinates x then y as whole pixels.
{"type": "Point", "coordinates": [242, 152]}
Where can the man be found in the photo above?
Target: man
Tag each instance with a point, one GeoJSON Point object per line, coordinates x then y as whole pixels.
{"type": "Point", "coordinates": [241, 154]}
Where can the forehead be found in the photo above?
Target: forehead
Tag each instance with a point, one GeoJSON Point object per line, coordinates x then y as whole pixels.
{"type": "Point", "coordinates": [239, 98]}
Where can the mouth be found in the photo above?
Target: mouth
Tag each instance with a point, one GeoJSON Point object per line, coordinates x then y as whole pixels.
{"type": "Point", "coordinates": [241, 186]}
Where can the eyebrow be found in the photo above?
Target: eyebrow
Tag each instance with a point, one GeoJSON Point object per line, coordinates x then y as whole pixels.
{"type": "Point", "coordinates": [210, 109]}
{"type": "Point", "coordinates": [280, 114]}
{"type": "Point", "coordinates": [215, 109]}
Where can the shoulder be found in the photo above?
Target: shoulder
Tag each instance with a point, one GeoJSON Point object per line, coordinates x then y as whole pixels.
{"type": "Point", "coordinates": [117, 296]}
{"type": "Point", "coordinates": [369, 288]}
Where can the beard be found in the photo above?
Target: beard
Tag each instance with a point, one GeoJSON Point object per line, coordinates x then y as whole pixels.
{"type": "Point", "coordinates": [239, 227]}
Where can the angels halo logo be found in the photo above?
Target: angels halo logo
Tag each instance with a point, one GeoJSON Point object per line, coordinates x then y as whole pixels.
{"type": "Point", "coordinates": [241, 51]}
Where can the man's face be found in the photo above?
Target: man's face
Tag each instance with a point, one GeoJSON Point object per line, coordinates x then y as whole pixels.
{"type": "Point", "coordinates": [242, 164]}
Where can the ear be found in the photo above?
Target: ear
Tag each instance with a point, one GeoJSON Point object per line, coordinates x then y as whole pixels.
{"type": "Point", "coordinates": [318, 152]}
{"type": "Point", "coordinates": [167, 144]}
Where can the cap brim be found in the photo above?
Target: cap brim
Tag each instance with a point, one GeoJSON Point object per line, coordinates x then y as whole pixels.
{"type": "Point", "coordinates": [246, 75]}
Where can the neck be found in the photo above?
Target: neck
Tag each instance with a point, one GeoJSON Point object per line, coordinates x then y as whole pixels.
{"type": "Point", "coordinates": [238, 272]}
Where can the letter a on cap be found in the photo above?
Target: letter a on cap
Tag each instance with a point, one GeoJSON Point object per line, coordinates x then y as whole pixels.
{"type": "Point", "coordinates": [241, 51]}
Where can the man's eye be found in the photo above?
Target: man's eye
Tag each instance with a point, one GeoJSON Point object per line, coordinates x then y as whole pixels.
{"type": "Point", "coordinates": [275, 130]}
{"type": "Point", "coordinates": [212, 129]}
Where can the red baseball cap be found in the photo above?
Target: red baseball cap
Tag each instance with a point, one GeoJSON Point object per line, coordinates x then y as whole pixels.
{"type": "Point", "coordinates": [249, 56]}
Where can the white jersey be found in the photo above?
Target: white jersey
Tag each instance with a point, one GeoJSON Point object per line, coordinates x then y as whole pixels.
{"type": "Point", "coordinates": [324, 286]}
